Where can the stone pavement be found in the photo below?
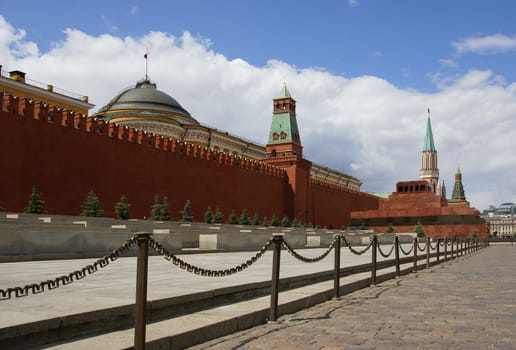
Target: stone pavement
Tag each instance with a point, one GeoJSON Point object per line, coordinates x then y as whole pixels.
{"type": "Point", "coordinates": [468, 303]}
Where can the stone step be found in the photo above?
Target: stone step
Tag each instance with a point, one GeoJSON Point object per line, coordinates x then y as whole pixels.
{"type": "Point", "coordinates": [188, 330]}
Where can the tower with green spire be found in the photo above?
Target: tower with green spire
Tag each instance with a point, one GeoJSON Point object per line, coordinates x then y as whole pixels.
{"type": "Point", "coordinates": [458, 194]}
{"type": "Point", "coordinates": [284, 137]}
{"type": "Point", "coordinates": [429, 170]}
{"type": "Point", "coordinates": [285, 151]}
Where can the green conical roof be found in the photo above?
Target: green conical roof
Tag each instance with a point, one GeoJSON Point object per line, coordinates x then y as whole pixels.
{"type": "Point", "coordinates": [458, 194]}
{"type": "Point", "coordinates": [429, 137]}
{"type": "Point", "coordinates": [284, 125]}
{"type": "Point", "coordinates": [284, 92]}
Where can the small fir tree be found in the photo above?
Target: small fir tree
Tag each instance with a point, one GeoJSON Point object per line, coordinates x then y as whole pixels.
{"type": "Point", "coordinates": [244, 218]}
{"type": "Point", "coordinates": [122, 209]}
{"type": "Point", "coordinates": [91, 206]}
{"type": "Point", "coordinates": [35, 204]}
{"type": "Point", "coordinates": [232, 219]}
{"type": "Point", "coordinates": [164, 210]}
{"type": "Point", "coordinates": [295, 223]}
{"type": "Point", "coordinates": [390, 229]}
{"type": "Point", "coordinates": [208, 216]}
{"type": "Point", "coordinates": [256, 219]}
{"type": "Point", "coordinates": [156, 209]}
{"type": "Point", "coordinates": [219, 217]}
{"type": "Point", "coordinates": [285, 222]}
{"type": "Point", "coordinates": [265, 221]}
{"type": "Point", "coordinates": [187, 212]}
{"type": "Point", "coordinates": [274, 221]}
{"type": "Point", "coordinates": [419, 230]}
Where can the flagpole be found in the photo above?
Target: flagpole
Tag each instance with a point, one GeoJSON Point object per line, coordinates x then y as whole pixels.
{"type": "Point", "coordinates": [146, 65]}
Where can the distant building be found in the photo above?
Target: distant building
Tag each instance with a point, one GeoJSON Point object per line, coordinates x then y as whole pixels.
{"type": "Point", "coordinates": [501, 220]}
{"type": "Point", "coordinates": [16, 84]}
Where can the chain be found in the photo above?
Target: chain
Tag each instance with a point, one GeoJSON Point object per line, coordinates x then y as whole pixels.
{"type": "Point", "coordinates": [356, 252]}
{"type": "Point", "coordinates": [382, 253]}
{"type": "Point", "coordinates": [421, 249]}
{"type": "Point", "coordinates": [306, 259]}
{"type": "Point", "coordinates": [202, 271]}
{"type": "Point", "coordinates": [434, 247]}
{"type": "Point", "coordinates": [40, 287]}
{"type": "Point", "coordinates": [410, 250]}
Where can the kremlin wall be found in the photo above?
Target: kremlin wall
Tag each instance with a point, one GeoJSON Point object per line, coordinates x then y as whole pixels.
{"type": "Point", "coordinates": [143, 143]}
{"type": "Point", "coordinates": [65, 154]}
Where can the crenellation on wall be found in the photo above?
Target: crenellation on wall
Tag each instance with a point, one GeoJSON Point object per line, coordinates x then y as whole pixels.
{"type": "Point", "coordinates": [67, 117]}
{"type": "Point", "coordinates": [60, 117]}
{"type": "Point", "coordinates": [25, 107]}
{"type": "Point", "coordinates": [108, 149]}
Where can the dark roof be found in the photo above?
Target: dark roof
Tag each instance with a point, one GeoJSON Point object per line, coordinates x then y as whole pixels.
{"type": "Point", "coordinates": [146, 97]}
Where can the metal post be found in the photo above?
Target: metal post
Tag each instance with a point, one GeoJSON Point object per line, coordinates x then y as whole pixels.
{"type": "Point", "coordinates": [336, 278]}
{"type": "Point", "coordinates": [397, 254]}
{"type": "Point", "coordinates": [452, 244]}
{"type": "Point", "coordinates": [373, 260]}
{"type": "Point", "coordinates": [415, 255]}
{"type": "Point", "coordinates": [427, 252]}
{"type": "Point", "coordinates": [437, 249]}
{"type": "Point", "coordinates": [141, 290]}
{"type": "Point", "coordinates": [276, 246]}
{"type": "Point", "coordinates": [445, 249]}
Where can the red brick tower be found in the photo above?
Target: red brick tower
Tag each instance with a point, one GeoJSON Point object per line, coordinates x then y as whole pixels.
{"type": "Point", "coordinates": [284, 150]}
{"type": "Point", "coordinates": [429, 170]}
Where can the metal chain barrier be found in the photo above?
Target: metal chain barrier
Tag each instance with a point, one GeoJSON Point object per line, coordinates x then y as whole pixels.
{"type": "Point", "coordinates": [202, 271]}
{"type": "Point", "coordinates": [434, 247]}
{"type": "Point", "coordinates": [306, 259]}
{"type": "Point", "coordinates": [421, 249]}
{"type": "Point", "coordinates": [382, 253]}
{"type": "Point", "coordinates": [405, 252]}
{"type": "Point", "coordinates": [37, 288]}
{"type": "Point", "coordinates": [356, 252]}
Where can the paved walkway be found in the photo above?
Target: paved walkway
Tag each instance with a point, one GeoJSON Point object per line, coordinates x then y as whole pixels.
{"type": "Point", "coordinates": [469, 303]}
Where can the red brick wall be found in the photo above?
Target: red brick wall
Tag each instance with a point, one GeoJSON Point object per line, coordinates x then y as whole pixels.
{"type": "Point", "coordinates": [67, 157]}
{"type": "Point", "coordinates": [65, 163]}
{"type": "Point", "coordinates": [332, 205]}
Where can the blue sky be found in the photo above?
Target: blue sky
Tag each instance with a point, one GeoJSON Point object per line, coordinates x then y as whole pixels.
{"type": "Point", "coordinates": [405, 42]}
{"type": "Point", "coordinates": [363, 73]}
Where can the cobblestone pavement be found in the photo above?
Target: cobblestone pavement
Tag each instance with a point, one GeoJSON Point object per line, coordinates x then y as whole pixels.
{"type": "Point", "coordinates": [468, 303]}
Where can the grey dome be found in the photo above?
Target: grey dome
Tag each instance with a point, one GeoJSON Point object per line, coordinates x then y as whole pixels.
{"type": "Point", "coordinates": [145, 100]}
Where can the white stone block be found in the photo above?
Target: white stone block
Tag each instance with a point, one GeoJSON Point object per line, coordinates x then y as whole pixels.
{"type": "Point", "coordinates": [313, 241]}
{"type": "Point", "coordinates": [161, 231]}
{"type": "Point", "coordinates": [208, 241]}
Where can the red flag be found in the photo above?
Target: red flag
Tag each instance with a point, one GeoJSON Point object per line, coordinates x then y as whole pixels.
{"type": "Point", "coordinates": [145, 56]}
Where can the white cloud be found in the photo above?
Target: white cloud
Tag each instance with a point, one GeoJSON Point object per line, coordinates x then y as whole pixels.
{"type": "Point", "coordinates": [449, 63]}
{"type": "Point", "coordinates": [353, 3]}
{"type": "Point", "coordinates": [363, 125]}
{"type": "Point", "coordinates": [109, 25]}
{"type": "Point", "coordinates": [489, 44]}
